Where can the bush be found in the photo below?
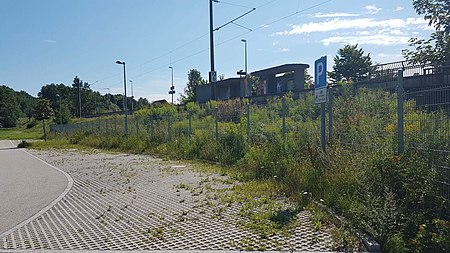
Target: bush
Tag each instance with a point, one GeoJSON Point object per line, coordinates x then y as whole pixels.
{"type": "Point", "coordinates": [24, 144]}
{"type": "Point", "coordinates": [31, 124]}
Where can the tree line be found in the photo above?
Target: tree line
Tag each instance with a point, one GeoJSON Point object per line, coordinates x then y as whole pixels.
{"type": "Point", "coordinates": [65, 102]}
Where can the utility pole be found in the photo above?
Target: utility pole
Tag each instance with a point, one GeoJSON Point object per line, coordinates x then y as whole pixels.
{"type": "Point", "coordinates": [172, 88]}
{"type": "Point", "coordinates": [125, 109]}
{"type": "Point", "coordinates": [60, 111]}
{"type": "Point", "coordinates": [109, 100]}
{"type": "Point", "coordinates": [79, 98]}
{"type": "Point", "coordinates": [212, 74]}
{"type": "Point", "coordinates": [246, 59]}
{"type": "Point", "coordinates": [132, 95]}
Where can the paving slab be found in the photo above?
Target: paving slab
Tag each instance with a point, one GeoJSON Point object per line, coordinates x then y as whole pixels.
{"type": "Point", "coordinates": [132, 203]}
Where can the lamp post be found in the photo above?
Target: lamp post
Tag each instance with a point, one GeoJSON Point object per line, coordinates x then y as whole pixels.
{"type": "Point", "coordinates": [172, 88]}
{"type": "Point", "coordinates": [132, 95]}
{"type": "Point", "coordinates": [109, 100]}
{"type": "Point", "coordinates": [245, 42]}
{"type": "Point", "coordinates": [60, 111]}
{"type": "Point", "coordinates": [125, 97]}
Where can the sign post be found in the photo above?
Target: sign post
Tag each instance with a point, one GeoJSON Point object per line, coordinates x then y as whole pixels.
{"type": "Point", "coordinates": [320, 93]}
{"type": "Point", "coordinates": [320, 80]}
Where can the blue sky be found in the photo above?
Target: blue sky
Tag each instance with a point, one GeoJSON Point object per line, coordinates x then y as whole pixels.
{"type": "Point", "coordinates": [52, 41]}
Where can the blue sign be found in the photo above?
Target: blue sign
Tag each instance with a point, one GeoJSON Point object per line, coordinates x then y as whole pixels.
{"type": "Point", "coordinates": [320, 73]}
{"type": "Point", "coordinates": [320, 80]}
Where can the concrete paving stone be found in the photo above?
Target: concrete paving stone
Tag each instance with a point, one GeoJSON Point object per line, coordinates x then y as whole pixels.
{"type": "Point", "coordinates": [132, 202]}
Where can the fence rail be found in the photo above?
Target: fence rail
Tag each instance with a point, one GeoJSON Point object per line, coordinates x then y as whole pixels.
{"type": "Point", "coordinates": [407, 108]}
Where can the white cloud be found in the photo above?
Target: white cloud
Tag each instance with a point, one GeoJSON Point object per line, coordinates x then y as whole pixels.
{"type": "Point", "coordinates": [334, 15]}
{"type": "Point", "coordinates": [372, 9]}
{"type": "Point", "coordinates": [392, 26]}
{"type": "Point", "coordinates": [283, 50]}
{"type": "Point", "coordinates": [383, 57]}
{"type": "Point", "coordinates": [378, 39]}
{"type": "Point", "coordinates": [399, 8]}
{"type": "Point", "coordinates": [340, 24]}
{"type": "Point", "coordinates": [49, 41]}
{"type": "Point", "coordinates": [397, 32]}
{"type": "Point", "coordinates": [416, 21]}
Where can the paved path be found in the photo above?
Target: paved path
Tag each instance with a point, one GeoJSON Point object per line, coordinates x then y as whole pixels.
{"type": "Point", "coordinates": [134, 202]}
{"type": "Point", "coordinates": [27, 185]}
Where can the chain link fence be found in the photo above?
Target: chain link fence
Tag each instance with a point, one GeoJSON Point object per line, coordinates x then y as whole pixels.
{"type": "Point", "coordinates": [406, 107]}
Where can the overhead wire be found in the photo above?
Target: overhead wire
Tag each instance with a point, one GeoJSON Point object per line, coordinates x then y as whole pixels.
{"type": "Point", "coordinates": [225, 41]}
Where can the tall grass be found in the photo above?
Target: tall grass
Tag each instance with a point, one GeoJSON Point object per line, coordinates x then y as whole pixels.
{"type": "Point", "coordinates": [393, 197]}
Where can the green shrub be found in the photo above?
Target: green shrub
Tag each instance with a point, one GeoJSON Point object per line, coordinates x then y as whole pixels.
{"type": "Point", "coordinates": [31, 124]}
{"type": "Point", "coordinates": [24, 144]}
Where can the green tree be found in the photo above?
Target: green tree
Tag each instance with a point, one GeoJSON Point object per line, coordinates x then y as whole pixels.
{"type": "Point", "coordinates": [9, 107]}
{"type": "Point", "coordinates": [190, 92]}
{"type": "Point", "coordinates": [436, 49]}
{"type": "Point", "coordinates": [351, 64]}
{"type": "Point", "coordinates": [43, 111]}
{"type": "Point", "coordinates": [142, 103]}
{"type": "Point", "coordinates": [308, 80]}
{"type": "Point", "coordinates": [26, 102]}
{"type": "Point", "coordinates": [62, 114]}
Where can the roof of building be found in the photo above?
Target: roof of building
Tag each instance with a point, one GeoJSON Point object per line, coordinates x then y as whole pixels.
{"type": "Point", "coordinates": [281, 69]}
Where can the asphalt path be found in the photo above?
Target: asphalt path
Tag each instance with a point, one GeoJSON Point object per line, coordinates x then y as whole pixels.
{"type": "Point", "coordinates": [27, 185]}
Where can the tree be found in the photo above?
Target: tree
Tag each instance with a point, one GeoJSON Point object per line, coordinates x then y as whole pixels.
{"type": "Point", "coordinates": [435, 50]}
{"type": "Point", "coordinates": [26, 102]}
{"type": "Point", "coordinates": [351, 64]}
{"type": "Point", "coordinates": [437, 12]}
{"type": "Point", "coordinates": [142, 103]}
{"type": "Point", "coordinates": [43, 111]}
{"type": "Point", "coordinates": [309, 83]}
{"type": "Point", "coordinates": [62, 114]}
{"type": "Point", "coordinates": [190, 92]}
{"type": "Point", "coordinates": [9, 107]}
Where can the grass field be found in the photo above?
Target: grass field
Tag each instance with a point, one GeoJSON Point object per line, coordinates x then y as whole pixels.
{"type": "Point", "coordinates": [21, 132]}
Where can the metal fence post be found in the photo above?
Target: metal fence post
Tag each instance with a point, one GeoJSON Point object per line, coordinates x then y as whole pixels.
{"type": "Point", "coordinates": [330, 113]}
{"type": "Point", "coordinates": [216, 122]}
{"type": "Point", "coordinates": [152, 134]}
{"type": "Point", "coordinates": [115, 124]}
{"type": "Point", "coordinates": [137, 125]}
{"type": "Point", "coordinates": [283, 114]}
{"type": "Point", "coordinates": [248, 121]}
{"type": "Point", "coordinates": [400, 113]}
{"type": "Point", "coordinates": [322, 126]}
{"type": "Point", "coordinates": [190, 124]}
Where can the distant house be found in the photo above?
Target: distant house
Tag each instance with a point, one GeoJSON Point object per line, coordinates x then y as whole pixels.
{"type": "Point", "coordinates": [160, 102]}
{"type": "Point", "coordinates": [273, 81]}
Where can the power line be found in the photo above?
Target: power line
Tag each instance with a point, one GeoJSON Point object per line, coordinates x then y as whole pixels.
{"type": "Point", "coordinates": [233, 38]}
{"type": "Point", "coordinates": [193, 40]}
{"type": "Point", "coordinates": [231, 22]}
{"type": "Point", "coordinates": [233, 4]}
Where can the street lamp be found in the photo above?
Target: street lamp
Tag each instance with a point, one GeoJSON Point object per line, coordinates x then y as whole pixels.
{"type": "Point", "coordinates": [245, 42]}
{"type": "Point", "coordinates": [132, 95]}
{"type": "Point", "coordinates": [172, 88]}
{"type": "Point", "coordinates": [125, 97]}
{"type": "Point", "coordinates": [60, 113]}
{"type": "Point", "coordinates": [109, 100]}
